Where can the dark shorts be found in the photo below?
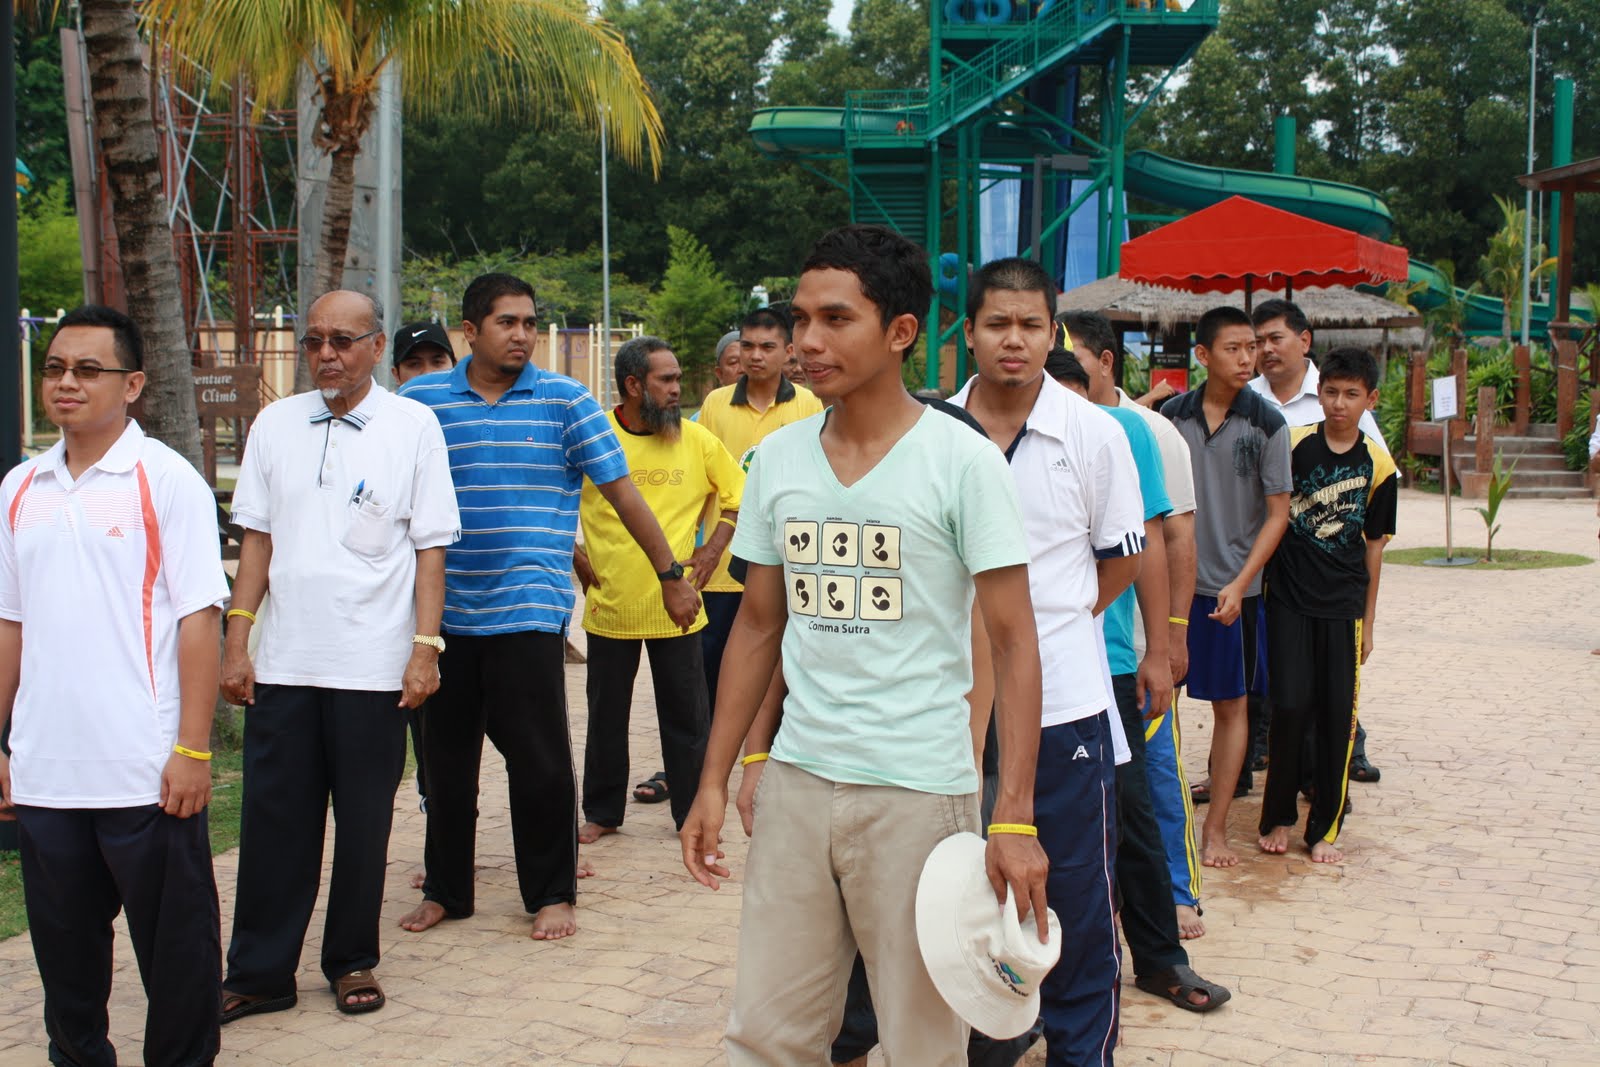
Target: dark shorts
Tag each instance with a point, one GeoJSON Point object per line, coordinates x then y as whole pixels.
{"type": "Point", "coordinates": [1227, 662]}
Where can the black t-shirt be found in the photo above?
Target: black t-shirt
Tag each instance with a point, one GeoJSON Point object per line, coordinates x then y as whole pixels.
{"type": "Point", "coordinates": [1340, 501]}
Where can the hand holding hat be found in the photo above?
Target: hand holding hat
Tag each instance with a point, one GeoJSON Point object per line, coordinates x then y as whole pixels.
{"type": "Point", "coordinates": [986, 964]}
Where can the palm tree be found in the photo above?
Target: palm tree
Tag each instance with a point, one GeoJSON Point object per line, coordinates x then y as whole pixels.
{"type": "Point", "coordinates": [1501, 266]}
{"type": "Point", "coordinates": [517, 59]}
{"type": "Point", "coordinates": [124, 131]}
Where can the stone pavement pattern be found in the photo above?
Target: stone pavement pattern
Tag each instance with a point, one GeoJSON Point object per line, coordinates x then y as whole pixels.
{"type": "Point", "coordinates": [1464, 927]}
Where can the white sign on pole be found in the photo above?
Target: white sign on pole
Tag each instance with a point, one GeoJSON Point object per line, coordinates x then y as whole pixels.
{"type": "Point", "coordinates": [1444, 398]}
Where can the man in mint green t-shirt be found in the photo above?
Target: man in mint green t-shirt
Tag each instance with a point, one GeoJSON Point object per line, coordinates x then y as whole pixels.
{"type": "Point", "coordinates": [867, 529]}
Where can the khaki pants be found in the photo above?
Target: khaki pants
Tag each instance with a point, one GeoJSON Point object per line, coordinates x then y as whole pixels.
{"type": "Point", "coordinates": [834, 868]}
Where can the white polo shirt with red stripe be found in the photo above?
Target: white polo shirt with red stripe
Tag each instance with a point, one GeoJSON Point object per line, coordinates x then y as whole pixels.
{"type": "Point", "coordinates": [99, 571]}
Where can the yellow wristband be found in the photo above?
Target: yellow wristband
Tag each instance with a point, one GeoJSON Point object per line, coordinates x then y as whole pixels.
{"type": "Point", "coordinates": [729, 521]}
{"type": "Point", "coordinates": [1013, 828]}
{"type": "Point", "coordinates": [204, 757]}
{"type": "Point", "coordinates": [1180, 622]}
{"type": "Point", "coordinates": [754, 757]}
{"type": "Point", "coordinates": [241, 613]}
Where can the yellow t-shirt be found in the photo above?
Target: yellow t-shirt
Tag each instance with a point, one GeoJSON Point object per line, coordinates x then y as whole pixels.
{"type": "Point", "coordinates": [739, 426]}
{"type": "Point", "coordinates": [675, 478]}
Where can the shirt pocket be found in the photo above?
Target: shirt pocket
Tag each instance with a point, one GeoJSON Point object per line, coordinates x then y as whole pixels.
{"type": "Point", "coordinates": [372, 529]}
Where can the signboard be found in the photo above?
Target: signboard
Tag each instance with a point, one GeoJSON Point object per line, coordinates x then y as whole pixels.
{"type": "Point", "coordinates": [232, 392]}
{"type": "Point", "coordinates": [1444, 398]}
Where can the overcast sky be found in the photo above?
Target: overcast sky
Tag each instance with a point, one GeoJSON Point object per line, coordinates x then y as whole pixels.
{"type": "Point", "coordinates": [840, 17]}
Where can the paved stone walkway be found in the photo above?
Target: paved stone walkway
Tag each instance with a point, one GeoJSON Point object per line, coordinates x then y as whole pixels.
{"type": "Point", "coordinates": [1464, 928]}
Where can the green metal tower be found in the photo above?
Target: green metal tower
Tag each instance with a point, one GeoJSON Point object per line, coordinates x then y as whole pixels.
{"type": "Point", "coordinates": [1005, 78]}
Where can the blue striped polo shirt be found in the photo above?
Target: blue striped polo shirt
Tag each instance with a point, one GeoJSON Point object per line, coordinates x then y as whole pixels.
{"type": "Point", "coordinates": [518, 467]}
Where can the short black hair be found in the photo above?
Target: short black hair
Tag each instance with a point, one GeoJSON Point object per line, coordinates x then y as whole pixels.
{"type": "Point", "coordinates": [485, 289]}
{"type": "Point", "coordinates": [1349, 363]}
{"type": "Point", "coordinates": [127, 341]}
{"type": "Point", "coordinates": [1286, 310]}
{"type": "Point", "coordinates": [1014, 275]}
{"type": "Point", "coordinates": [1095, 332]}
{"type": "Point", "coordinates": [633, 360]}
{"type": "Point", "coordinates": [1212, 322]}
{"type": "Point", "coordinates": [1062, 364]}
{"type": "Point", "coordinates": [893, 271]}
{"type": "Point", "coordinates": [768, 318]}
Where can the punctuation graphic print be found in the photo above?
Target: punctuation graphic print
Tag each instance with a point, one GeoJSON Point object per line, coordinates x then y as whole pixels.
{"type": "Point", "coordinates": [843, 576]}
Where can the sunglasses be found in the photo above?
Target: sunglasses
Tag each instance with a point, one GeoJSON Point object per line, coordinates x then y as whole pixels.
{"type": "Point", "coordinates": [341, 342]}
{"type": "Point", "coordinates": [84, 372]}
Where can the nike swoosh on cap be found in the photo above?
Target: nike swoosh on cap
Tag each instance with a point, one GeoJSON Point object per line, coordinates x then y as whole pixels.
{"type": "Point", "coordinates": [419, 333]}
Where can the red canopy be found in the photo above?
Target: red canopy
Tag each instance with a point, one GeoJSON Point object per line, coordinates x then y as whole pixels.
{"type": "Point", "coordinates": [1221, 248]}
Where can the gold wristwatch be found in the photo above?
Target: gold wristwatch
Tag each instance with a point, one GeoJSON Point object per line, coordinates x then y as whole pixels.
{"type": "Point", "coordinates": [432, 642]}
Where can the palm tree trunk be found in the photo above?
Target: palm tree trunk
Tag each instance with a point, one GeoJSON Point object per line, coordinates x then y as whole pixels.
{"type": "Point", "coordinates": [125, 129]}
{"type": "Point", "coordinates": [343, 122]}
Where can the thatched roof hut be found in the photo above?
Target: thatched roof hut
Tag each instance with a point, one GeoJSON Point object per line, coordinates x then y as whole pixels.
{"type": "Point", "coordinates": [1134, 306]}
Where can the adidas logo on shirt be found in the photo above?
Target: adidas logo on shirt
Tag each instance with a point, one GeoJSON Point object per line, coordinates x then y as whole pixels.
{"type": "Point", "coordinates": [115, 531]}
{"type": "Point", "coordinates": [1061, 465]}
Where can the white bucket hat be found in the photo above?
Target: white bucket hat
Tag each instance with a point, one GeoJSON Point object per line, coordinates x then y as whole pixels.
{"type": "Point", "coordinates": [985, 963]}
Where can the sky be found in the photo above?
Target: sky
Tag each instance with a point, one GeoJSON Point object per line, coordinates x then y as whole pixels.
{"type": "Point", "coordinates": [839, 17]}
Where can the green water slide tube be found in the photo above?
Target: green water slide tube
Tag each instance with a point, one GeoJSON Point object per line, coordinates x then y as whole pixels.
{"type": "Point", "coordinates": [1192, 186]}
{"type": "Point", "coordinates": [798, 132]}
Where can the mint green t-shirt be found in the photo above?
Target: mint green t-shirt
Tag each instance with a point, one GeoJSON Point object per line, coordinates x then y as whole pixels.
{"type": "Point", "coordinates": [877, 651]}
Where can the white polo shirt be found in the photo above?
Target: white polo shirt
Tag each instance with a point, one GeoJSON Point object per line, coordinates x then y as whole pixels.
{"type": "Point", "coordinates": [99, 571]}
{"type": "Point", "coordinates": [1305, 409]}
{"type": "Point", "coordinates": [348, 501]}
{"type": "Point", "coordinates": [1079, 491]}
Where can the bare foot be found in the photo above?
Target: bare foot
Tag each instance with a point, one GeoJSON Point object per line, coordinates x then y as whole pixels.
{"type": "Point", "coordinates": [1218, 854]}
{"type": "Point", "coordinates": [1189, 924]}
{"type": "Point", "coordinates": [590, 832]}
{"type": "Point", "coordinates": [418, 877]}
{"type": "Point", "coordinates": [555, 921]}
{"type": "Point", "coordinates": [585, 869]}
{"type": "Point", "coordinates": [1594, 652]}
{"type": "Point", "coordinates": [1323, 852]}
{"type": "Point", "coordinates": [428, 913]}
{"type": "Point", "coordinates": [1276, 842]}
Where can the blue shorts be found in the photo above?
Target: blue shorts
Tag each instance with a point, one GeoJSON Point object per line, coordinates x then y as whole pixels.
{"type": "Point", "coordinates": [1227, 662]}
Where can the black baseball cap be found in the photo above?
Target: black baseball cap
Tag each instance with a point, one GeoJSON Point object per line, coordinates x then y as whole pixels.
{"type": "Point", "coordinates": [413, 334]}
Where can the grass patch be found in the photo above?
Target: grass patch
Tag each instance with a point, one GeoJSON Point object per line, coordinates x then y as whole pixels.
{"type": "Point", "coordinates": [1505, 559]}
{"type": "Point", "coordinates": [227, 777]}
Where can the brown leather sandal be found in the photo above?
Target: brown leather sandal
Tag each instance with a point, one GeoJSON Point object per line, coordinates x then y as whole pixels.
{"type": "Point", "coordinates": [347, 986]}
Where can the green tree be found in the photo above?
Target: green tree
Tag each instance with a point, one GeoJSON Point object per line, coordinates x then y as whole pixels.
{"type": "Point", "coordinates": [695, 304]}
{"type": "Point", "coordinates": [1501, 265]}
{"type": "Point", "coordinates": [50, 260]}
{"type": "Point", "coordinates": [568, 286]}
{"type": "Point", "coordinates": [498, 58]}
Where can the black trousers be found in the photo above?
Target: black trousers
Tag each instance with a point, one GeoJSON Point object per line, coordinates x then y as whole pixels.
{"type": "Point", "coordinates": [80, 866]}
{"type": "Point", "coordinates": [682, 713]}
{"type": "Point", "coordinates": [1315, 676]}
{"type": "Point", "coordinates": [1149, 921]}
{"type": "Point", "coordinates": [512, 689]}
{"type": "Point", "coordinates": [303, 744]}
{"type": "Point", "coordinates": [721, 610]}
{"type": "Point", "coordinates": [414, 721]}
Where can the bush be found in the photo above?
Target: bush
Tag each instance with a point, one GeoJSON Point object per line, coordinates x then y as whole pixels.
{"type": "Point", "coordinates": [1576, 443]}
{"type": "Point", "coordinates": [695, 303]}
{"type": "Point", "coordinates": [1500, 372]}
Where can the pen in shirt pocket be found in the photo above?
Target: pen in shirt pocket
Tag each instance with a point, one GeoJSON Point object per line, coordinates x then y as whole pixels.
{"type": "Point", "coordinates": [355, 495]}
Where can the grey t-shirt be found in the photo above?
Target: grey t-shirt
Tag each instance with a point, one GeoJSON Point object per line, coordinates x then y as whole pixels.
{"type": "Point", "coordinates": [1235, 469]}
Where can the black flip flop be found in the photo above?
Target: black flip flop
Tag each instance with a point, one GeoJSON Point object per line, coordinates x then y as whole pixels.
{"type": "Point", "coordinates": [1158, 985]}
{"type": "Point", "coordinates": [256, 1005]}
{"type": "Point", "coordinates": [1362, 771]}
{"type": "Point", "coordinates": [653, 791]}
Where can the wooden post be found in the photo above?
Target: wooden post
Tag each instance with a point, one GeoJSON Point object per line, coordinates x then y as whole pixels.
{"type": "Point", "coordinates": [1458, 367]}
{"type": "Point", "coordinates": [1523, 362]}
{"type": "Point", "coordinates": [1566, 384]}
{"type": "Point", "coordinates": [1476, 484]}
{"type": "Point", "coordinates": [1416, 398]}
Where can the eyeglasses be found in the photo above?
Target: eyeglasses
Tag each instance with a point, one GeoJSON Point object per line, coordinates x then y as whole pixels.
{"type": "Point", "coordinates": [84, 372]}
{"type": "Point", "coordinates": [341, 342]}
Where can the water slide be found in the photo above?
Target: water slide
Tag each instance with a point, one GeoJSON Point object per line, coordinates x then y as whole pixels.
{"type": "Point", "coordinates": [800, 132]}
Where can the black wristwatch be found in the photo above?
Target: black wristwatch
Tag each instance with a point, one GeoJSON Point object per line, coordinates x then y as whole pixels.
{"type": "Point", "coordinates": [672, 573]}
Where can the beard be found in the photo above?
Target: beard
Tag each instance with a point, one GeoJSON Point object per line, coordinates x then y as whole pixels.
{"type": "Point", "coordinates": [330, 394]}
{"type": "Point", "coordinates": [666, 421]}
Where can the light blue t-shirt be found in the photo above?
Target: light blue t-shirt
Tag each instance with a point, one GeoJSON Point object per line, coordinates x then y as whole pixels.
{"type": "Point", "coordinates": [877, 651]}
{"type": "Point", "coordinates": [1153, 488]}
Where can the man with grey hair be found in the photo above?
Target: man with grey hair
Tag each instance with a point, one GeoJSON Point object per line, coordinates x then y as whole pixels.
{"type": "Point", "coordinates": [347, 506]}
{"type": "Point", "coordinates": [676, 465]}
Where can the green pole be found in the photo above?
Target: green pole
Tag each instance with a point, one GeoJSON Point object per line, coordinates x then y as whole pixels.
{"type": "Point", "coordinates": [1117, 144]}
{"type": "Point", "coordinates": [1560, 153]}
{"type": "Point", "coordinates": [1102, 258]}
{"type": "Point", "coordinates": [963, 237]}
{"type": "Point", "coordinates": [935, 213]}
{"type": "Point", "coordinates": [1283, 133]}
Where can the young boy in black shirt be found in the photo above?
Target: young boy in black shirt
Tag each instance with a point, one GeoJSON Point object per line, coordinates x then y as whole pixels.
{"type": "Point", "coordinates": [1322, 597]}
